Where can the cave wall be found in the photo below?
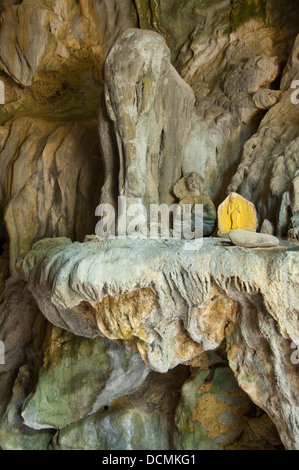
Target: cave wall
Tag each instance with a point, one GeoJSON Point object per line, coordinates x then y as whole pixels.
{"type": "Point", "coordinates": [240, 58]}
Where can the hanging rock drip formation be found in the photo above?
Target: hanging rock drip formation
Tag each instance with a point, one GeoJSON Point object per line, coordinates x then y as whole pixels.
{"type": "Point", "coordinates": [172, 304]}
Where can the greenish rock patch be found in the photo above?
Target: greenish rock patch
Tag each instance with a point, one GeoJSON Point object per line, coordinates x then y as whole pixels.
{"type": "Point", "coordinates": [79, 376]}
{"type": "Point", "coordinates": [215, 414]}
{"type": "Point", "coordinates": [118, 429]}
{"type": "Point", "coordinates": [244, 10]}
{"type": "Point", "coordinates": [14, 434]}
{"type": "Point", "coordinates": [70, 379]}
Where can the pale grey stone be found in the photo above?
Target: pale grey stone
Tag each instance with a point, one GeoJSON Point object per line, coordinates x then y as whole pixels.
{"type": "Point", "coordinates": [128, 373]}
{"type": "Point", "coordinates": [223, 120]}
{"type": "Point", "coordinates": [288, 217]}
{"type": "Point", "coordinates": [267, 227]}
{"type": "Point", "coordinates": [249, 239]}
{"type": "Point", "coordinates": [147, 119]}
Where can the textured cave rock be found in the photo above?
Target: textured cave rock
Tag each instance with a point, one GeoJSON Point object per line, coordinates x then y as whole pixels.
{"type": "Point", "coordinates": [288, 219]}
{"type": "Point", "coordinates": [270, 158]}
{"type": "Point", "coordinates": [31, 28]}
{"type": "Point", "coordinates": [14, 434]}
{"type": "Point", "coordinates": [174, 303]}
{"type": "Point", "coordinates": [45, 186]}
{"type": "Point", "coordinates": [124, 429]}
{"type": "Point", "coordinates": [76, 387]}
{"type": "Point", "coordinates": [21, 51]}
{"type": "Point", "coordinates": [54, 407]}
{"type": "Point", "coordinates": [215, 414]}
{"type": "Point", "coordinates": [221, 70]}
{"type": "Point", "coordinates": [226, 118]}
{"type": "Point", "coordinates": [22, 329]}
{"type": "Point", "coordinates": [54, 50]}
{"type": "Point", "coordinates": [149, 108]}
{"type": "Point", "coordinates": [239, 58]}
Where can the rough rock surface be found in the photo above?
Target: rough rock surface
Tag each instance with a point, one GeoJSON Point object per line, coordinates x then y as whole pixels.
{"type": "Point", "coordinates": [21, 52]}
{"type": "Point", "coordinates": [59, 160]}
{"type": "Point", "coordinates": [288, 218]}
{"type": "Point", "coordinates": [270, 159]}
{"type": "Point", "coordinates": [166, 299]}
{"type": "Point", "coordinates": [123, 429]}
{"type": "Point", "coordinates": [267, 227]}
{"type": "Point", "coordinates": [215, 414]}
{"type": "Point", "coordinates": [225, 118]}
{"type": "Point", "coordinates": [14, 434]}
{"type": "Point", "coordinates": [51, 405]}
{"type": "Point", "coordinates": [240, 59]}
{"type": "Point", "coordinates": [143, 420]}
{"type": "Point", "coordinates": [17, 331]}
{"type": "Point", "coordinates": [149, 108]}
{"type": "Point", "coordinates": [108, 375]}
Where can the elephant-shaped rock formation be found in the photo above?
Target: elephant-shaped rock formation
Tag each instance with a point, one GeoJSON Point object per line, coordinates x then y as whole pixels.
{"type": "Point", "coordinates": [145, 120]}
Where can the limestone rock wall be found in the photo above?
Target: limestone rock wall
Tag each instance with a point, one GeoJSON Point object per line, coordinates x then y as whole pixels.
{"type": "Point", "coordinates": [270, 160]}
{"type": "Point", "coordinates": [47, 171]}
{"type": "Point", "coordinates": [171, 304]}
{"type": "Point", "coordinates": [240, 59]}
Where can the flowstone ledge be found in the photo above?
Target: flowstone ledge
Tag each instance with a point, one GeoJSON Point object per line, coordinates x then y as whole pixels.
{"type": "Point", "coordinates": [171, 303]}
